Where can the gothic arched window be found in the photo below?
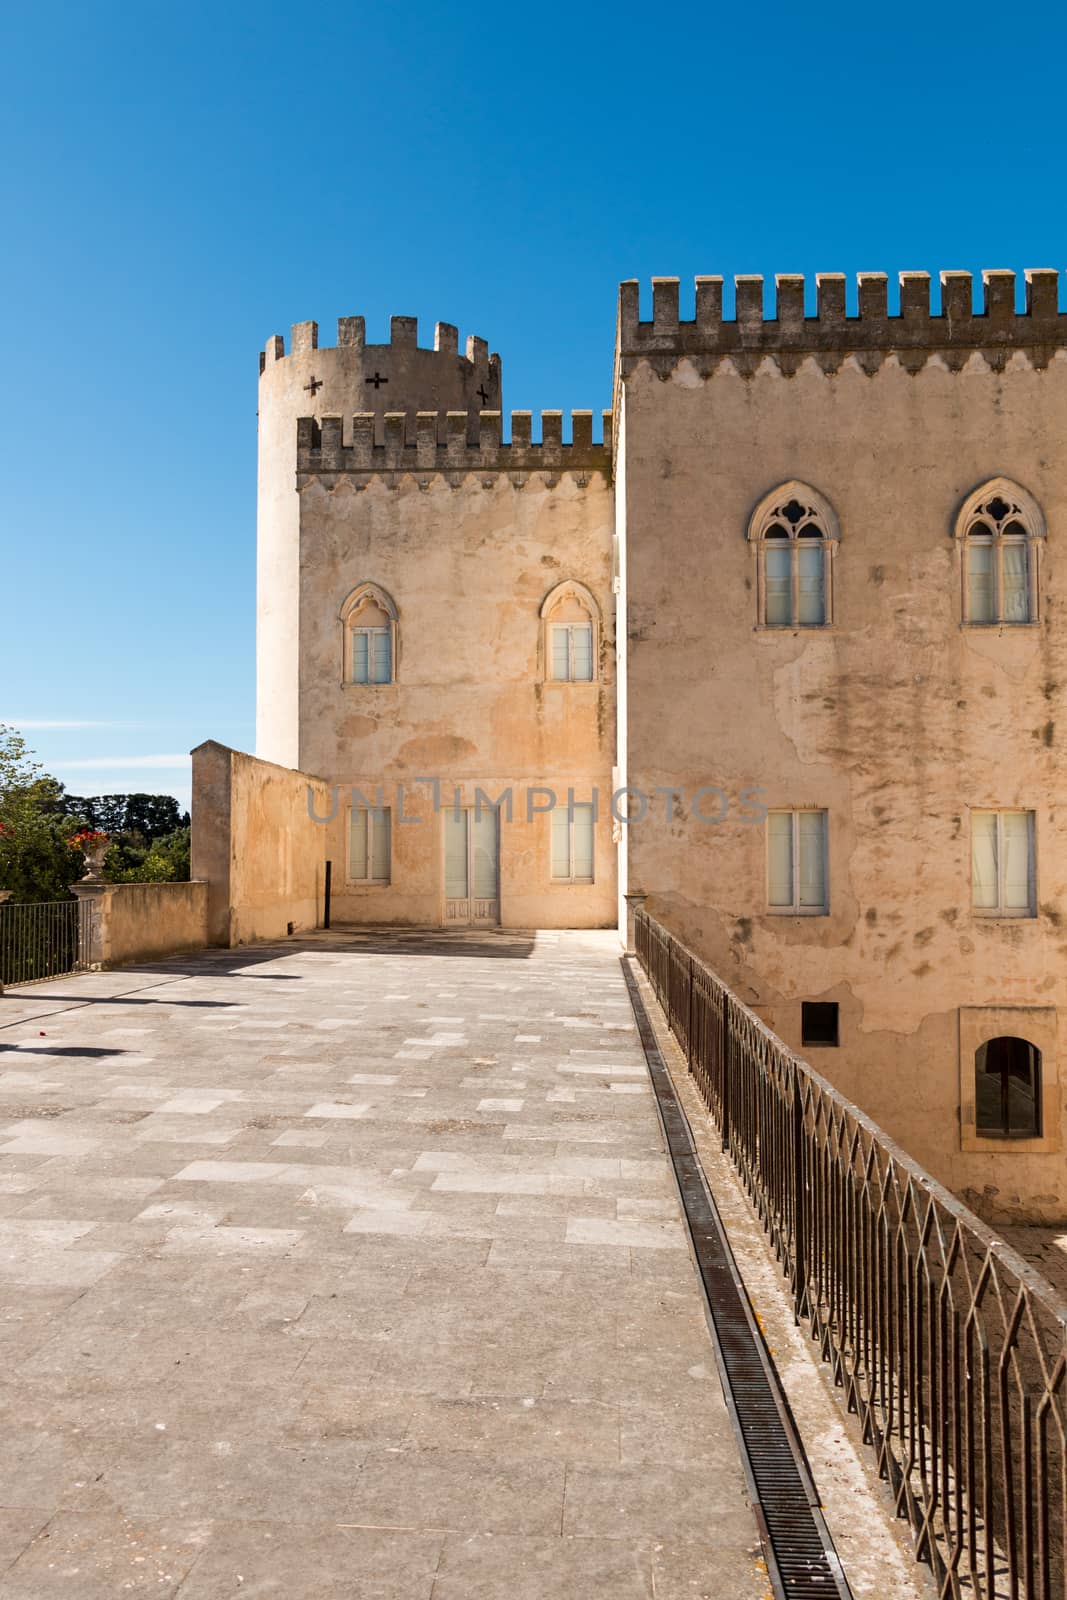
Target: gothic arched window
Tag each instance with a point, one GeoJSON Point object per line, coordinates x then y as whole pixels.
{"type": "Point", "coordinates": [1007, 1089]}
{"type": "Point", "coordinates": [369, 636]}
{"type": "Point", "coordinates": [999, 528]}
{"type": "Point", "coordinates": [794, 533]}
{"type": "Point", "coordinates": [571, 647]}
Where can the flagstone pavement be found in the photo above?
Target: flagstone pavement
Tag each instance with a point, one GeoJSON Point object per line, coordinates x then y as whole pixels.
{"type": "Point", "coordinates": [352, 1267]}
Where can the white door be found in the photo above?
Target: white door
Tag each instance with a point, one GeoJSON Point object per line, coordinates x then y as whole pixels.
{"type": "Point", "coordinates": [472, 873]}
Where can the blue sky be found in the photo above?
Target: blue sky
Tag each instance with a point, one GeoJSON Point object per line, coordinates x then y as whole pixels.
{"type": "Point", "coordinates": [178, 183]}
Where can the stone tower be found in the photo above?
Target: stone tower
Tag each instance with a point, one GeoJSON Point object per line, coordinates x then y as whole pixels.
{"type": "Point", "coordinates": [435, 626]}
{"type": "Point", "coordinates": [373, 381]}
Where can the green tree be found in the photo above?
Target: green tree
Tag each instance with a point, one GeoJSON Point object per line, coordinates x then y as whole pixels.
{"type": "Point", "coordinates": [152, 816]}
{"type": "Point", "coordinates": [36, 860]}
{"type": "Point", "coordinates": [171, 852]}
{"type": "Point", "coordinates": [165, 860]}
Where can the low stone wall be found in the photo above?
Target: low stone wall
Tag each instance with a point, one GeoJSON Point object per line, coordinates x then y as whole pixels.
{"type": "Point", "coordinates": [141, 920]}
{"type": "Point", "coordinates": [256, 844]}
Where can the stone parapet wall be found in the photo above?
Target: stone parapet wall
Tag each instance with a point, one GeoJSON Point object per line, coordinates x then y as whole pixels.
{"type": "Point", "coordinates": [450, 442]}
{"type": "Point", "coordinates": [257, 846]}
{"type": "Point", "coordinates": [914, 333]}
{"type": "Point", "coordinates": [140, 921]}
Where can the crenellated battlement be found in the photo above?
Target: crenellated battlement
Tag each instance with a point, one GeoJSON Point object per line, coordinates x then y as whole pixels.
{"type": "Point", "coordinates": [914, 333]}
{"type": "Point", "coordinates": [450, 442]}
{"type": "Point", "coordinates": [403, 337]}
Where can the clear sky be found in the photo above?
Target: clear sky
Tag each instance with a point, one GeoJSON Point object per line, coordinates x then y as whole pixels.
{"type": "Point", "coordinates": [179, 182]}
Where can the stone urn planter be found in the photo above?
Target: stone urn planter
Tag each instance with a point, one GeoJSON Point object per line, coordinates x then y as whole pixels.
{"type": "Point", "coordinates": [93, 846]}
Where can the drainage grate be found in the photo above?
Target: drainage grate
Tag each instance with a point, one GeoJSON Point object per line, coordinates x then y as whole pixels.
{"type": "Point", "coordinates": [800, 1554]}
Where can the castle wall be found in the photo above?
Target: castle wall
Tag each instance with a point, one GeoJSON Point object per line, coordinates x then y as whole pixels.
{"type": "Point", "coordinates": [895, 717]}
{"type": "Point", "coordinates": [466, 537]}
{"type": "Point", "coordinates": [256, 843]}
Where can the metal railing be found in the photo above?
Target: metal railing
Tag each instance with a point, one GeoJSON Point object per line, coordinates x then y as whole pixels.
{"type": "Point", "coordinates": [43, 940]}
{"type": "Point", "coordinates": [949, 1347]}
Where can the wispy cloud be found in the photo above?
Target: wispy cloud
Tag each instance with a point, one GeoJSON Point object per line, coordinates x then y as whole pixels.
{"type": "Point", "coordinates": [61, 722]}
{"type": "Point", "coordinates": [124, 763]}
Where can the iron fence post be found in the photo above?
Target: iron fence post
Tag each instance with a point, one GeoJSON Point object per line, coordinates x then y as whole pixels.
{"type": "Point", "coordinates": [724, 1070]}
{"type": "Point", "coordinates": [689, 1012]}
{"type": "Point", "coordinates": [800, 1200]}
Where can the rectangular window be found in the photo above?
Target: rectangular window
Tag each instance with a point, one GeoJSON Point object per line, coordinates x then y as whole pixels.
{"type": "Point", "coordinates": [998, 579]}
{"type": "Point", "coordinates": [796, 862]}
{"type": "Point", "coordinates": [1003, 878]}
{"type": "Point", "coordinates": [795, 577]}
{"type": "Point", "coordinates": [369, 845]}
{"type": "Point", "coordinates": [571, 645]}
{"type": "Point", "coordinates": [572, 844]}
{"type": "Point", "coordinates": [819, 1022]}
{"type": "Point", "coordinates": [372, 655]}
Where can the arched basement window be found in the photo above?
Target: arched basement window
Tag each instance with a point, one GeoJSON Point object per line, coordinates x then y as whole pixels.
{"type": "Point", "coordinates": [1007, 1089]}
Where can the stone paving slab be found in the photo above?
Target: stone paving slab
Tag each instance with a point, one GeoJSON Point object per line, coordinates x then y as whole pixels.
{"type": "Point", "coordinates": [352, 1267]}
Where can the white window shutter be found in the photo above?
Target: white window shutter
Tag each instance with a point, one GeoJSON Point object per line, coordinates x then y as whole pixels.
{"type": "Point", "coordinates": [456, 887]}
{"type": "Point", "coordinates": [1018, 860]}
{"type": "Point", "coordinates": [561, 666]}
{"type": "Point", "coordinates": [380, 843]}
{"type": "Point", "coordinates": [981, 606]}
{"type": "Point", "coordinates": [583, 842]}
{"type": "Point", "coordinates": [485, 850]}
{"type": "Point", "coordinates": [811, 838]}
{"type": "Point", "coordinates": [357, 844]}
{"type": "Point", "coordinates": [1016, 600]}
{"type": "Point", "coordinates": [561, 843]}
{"type": "Point", "coordinates": [780, 858]}
{"type": "Point", "coordinates": [360, 662]}
{"type": "Point", "coordinates": [779, 600]}
{"type": "Point", "coordinates": [383, 655]}
{"type": "Point", "coordinates": [984, 890]}
{"type": "Point", "coordinates": [811, 584]}
{"type": "Point", "coordinates": [582, 637]}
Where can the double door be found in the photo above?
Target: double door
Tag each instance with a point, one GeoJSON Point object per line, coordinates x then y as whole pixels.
{"type": "Point", "coordinates": [472, 866]}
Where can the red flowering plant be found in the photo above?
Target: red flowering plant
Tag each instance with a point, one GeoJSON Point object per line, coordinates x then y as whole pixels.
{"type": "Point", "coordinates": [88, 839]}
{"type": "Point", "coordinates": [36, 861]}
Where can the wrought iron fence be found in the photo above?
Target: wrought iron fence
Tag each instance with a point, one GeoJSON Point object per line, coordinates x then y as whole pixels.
{"type": "Point", "coordinates": [43, 940]}
{"type": "Point", "coordinates": [950, 1348]}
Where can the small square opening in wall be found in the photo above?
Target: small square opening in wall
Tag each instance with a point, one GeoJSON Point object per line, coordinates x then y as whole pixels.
{"type": "Point", "coordinates": [818, 1022]}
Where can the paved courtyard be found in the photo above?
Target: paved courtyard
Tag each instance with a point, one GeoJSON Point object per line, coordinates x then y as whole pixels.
{"type": "Point", "coordinates": [352, 1267]}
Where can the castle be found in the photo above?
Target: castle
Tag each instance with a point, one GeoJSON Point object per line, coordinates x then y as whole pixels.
{"type": "Point", "coordinates": [782, 654]}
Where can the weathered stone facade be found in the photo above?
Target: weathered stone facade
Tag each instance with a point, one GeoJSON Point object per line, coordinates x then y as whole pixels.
{"type": "Point", "coordinates": [895, 716]}
{"type": "Point", "coordinates": [386, 495]}
{"type": "Point", "coordinates": [461, 550]}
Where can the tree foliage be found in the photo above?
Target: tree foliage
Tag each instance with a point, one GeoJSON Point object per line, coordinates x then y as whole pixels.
{"type": "Point", "coordinates": [131, 859]}
{"type": "Point", "coordinates": [151, 816]}
{"type": "Point", "coordinates": [36, 860]}
{"type": "Point", "coordinates": [149, 835]}
{"type": "Point", "coordinates": [149, 832]}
